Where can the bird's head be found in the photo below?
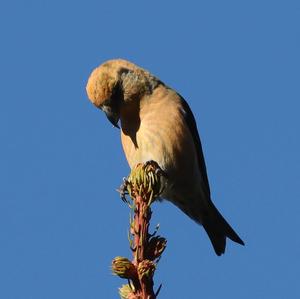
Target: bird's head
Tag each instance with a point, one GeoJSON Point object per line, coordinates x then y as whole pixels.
{"type": "Point", "coordinates": [117, 83]}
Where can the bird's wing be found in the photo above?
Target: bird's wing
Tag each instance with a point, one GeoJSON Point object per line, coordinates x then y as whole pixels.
{"type": "Point", "coordinates": [191, 123]}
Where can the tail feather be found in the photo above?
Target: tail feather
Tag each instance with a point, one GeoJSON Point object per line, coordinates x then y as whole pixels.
{"type": "Point", "coordinates": [218, 229]}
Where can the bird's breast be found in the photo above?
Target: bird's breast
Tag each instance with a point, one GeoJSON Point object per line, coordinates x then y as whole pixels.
{"type": "Point", "coordinates": [159, 132]}
{"type": "Point", "coordinates": [149, 142]}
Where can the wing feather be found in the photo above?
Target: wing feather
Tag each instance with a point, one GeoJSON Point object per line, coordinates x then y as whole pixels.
{"type": "Point", "coordinates": [191, 123]}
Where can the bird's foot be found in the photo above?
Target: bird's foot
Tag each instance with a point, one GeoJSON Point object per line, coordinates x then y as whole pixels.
{"type": "Point", "coordinates": [158, 170]}
{"type": "Point", "coordinates": [123, 190]}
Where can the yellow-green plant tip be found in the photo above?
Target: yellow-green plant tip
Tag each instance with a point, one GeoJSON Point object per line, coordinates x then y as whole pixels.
{"type": "Point", "coordinates": [123, 267]}
{"type": "Point", "coordinates": [143, 179]}
{"type": "Point", "coordinates": [125, 290]}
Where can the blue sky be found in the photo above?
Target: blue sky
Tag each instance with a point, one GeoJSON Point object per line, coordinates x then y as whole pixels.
{"type": "Point", "coordinates": [61, 221]}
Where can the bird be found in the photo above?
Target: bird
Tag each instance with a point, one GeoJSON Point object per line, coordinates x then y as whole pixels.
{"type": "Point", "coordinates": [158, 125]}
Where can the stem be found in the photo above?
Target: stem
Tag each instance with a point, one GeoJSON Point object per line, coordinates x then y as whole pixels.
{"type": "Point", "coordinates": [142, 218]}
{"type": "Point", "coordinates": [144, 186]}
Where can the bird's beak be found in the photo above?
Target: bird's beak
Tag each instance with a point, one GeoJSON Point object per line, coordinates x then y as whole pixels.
{"type": "Point", "coordinates": [111, 115]}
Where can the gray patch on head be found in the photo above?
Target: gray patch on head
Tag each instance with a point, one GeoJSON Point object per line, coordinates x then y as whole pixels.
{"type": "Point", "coordinates": [137, 82]}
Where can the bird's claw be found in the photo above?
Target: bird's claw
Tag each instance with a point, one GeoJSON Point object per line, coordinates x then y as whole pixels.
{"type": "Point", "coordinates": [123, 190]}
{"type": "Point", "coordinates": [158, 170]}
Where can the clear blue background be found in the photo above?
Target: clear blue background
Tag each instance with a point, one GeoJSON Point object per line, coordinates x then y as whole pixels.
{"type": "Point", "coordinates": [61, 221]}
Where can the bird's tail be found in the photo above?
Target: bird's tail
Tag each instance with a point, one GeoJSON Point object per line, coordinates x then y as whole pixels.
{"type": "Point", "coordinates": [218, 229]}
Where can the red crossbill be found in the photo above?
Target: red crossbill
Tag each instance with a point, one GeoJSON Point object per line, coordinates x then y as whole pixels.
{"type": "Point", "coordinates": [157, 124]}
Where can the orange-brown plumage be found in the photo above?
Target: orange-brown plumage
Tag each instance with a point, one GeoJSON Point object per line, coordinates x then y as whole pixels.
{"type": "Point", "coordinates": [157, 124]}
